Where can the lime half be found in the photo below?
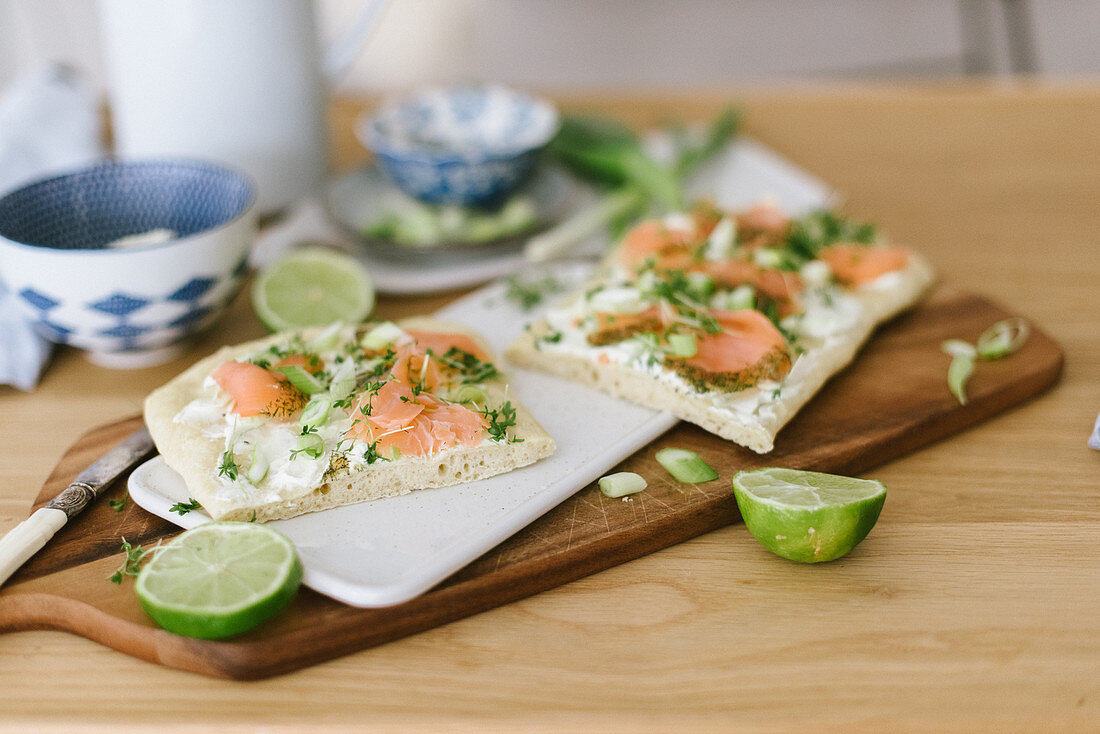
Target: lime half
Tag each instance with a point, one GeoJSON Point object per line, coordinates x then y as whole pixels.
{"type": "Point", "coordinates": [219, 579]}
{"type": "Point", "coordinates": [312, 286]}
{"type": "Point", "coordinates": [807, 516]}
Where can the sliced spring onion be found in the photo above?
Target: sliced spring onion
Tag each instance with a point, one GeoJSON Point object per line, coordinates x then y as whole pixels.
{"type": "Point", "coordinates": [385, 333]}
{"type": "Point", "coordinates": [311, 445]}
{"type": "Point", "coordinates": [682, 345]}
{"type": "Point", "coordinates": [1003, 338]}
{"type": "Point", "coordinates": [739, 299]}
{"type": "Point", "coordinates": [621, 484]}
{"type": "Point", "coordinates": [327, 339]}
{"type": "Point", "coordinates": [768, 257]}
{"type": "Point", "coordinates": [700, 285]}
{"type": "Point", "coordinates": [958, 373]}
{"type": "Point", "coordinates": [959, 348]}
{"type": "Point", "coordinates": [302, 379]}
{"type": "Point", "coordinates": [315, 413]}
{"type": "Point", "coordinates": [816, 272]}
{"type": "Point", "coordinates": [469, 394]}
{"type": "Point", "coordinates": [340, 389]}
{"type": "Point", "coordinates": [257, 470]}
{"type": "Point", "coordinates": [685, 466]}
{"type": "Point", "coordinates": [722, 238]}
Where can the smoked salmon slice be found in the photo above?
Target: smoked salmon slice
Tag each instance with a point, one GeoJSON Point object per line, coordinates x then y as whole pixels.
{"type": "Point", "coordinates": [854, 265]}
{"type": "Point", "coordinates": [669, 248]}
{"type": "Point", "coordinates": [415, 425]}
{"type": "Point", "coordinates": [308, 362]}
{"type": "Point", "coordinates": [783, 287]}
{"type": "Point", "coordinates": [747, 350]}
{"type": "Point", "coordinates": [440, 343]}
{"type": "Point", "coordinates": [257, 391]}
{"type": "Point", "coordinates": [614, 327]}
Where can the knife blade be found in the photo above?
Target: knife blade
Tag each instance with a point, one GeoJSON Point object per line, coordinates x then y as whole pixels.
{"type": "Point", "coordinates": [29, 536]}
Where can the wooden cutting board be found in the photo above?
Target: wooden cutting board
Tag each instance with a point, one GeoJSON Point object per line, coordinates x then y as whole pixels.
{"type": "Point", "coordinates": [893, 400]}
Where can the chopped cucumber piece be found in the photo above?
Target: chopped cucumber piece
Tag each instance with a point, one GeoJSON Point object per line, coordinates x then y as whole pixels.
{"type": "Point", "coordinates": [302, 379]}
{"type": "Point", "coordinates": [682, 345]}
{"type": "Point", "coordinates": [257, 470]}
{"type": "Point", "coordinates": [686, 466]}
{"type": "Point", "coordinates": [385, 333]}
{"type": "Point", "coordinates": [315, 413]}
{"type": "Point", "coordinates": [621, 484]}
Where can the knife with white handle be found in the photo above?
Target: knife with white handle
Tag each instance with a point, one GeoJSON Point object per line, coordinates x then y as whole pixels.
{"type": "Point", "coordinates": [29, 536]}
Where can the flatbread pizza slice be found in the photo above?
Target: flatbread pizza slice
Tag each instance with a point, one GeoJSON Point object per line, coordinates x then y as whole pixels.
{"type": "Point", "coordinates": [303, 422]}
{"type": "Point", "coordinates": [731, 321]}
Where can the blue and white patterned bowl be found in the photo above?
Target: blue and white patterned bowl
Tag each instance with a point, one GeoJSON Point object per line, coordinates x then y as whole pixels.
{"type": "Point", "coordinates": [470, 146]}
{"type": "Point", "coordinates": [127, 306]}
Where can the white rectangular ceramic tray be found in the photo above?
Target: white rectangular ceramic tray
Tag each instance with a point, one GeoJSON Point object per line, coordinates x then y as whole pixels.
{"type": "Point", "coordinates": [388, 551]}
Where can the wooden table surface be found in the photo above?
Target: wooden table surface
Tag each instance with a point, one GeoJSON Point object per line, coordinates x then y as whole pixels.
{"type": "Point", "coordinates": [974, 605]}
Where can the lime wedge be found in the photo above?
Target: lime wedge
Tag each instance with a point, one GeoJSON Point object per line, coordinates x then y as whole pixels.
{"type": "Point", "coordinates": [219, 579]}
{"type": "Point", "coordinates": [312, 286]}
{"type": "Point", "coordinates": [807, 516]}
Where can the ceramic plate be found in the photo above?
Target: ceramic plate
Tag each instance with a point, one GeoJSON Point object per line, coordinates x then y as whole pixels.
{"type": "Point", "coordinates": [364, 196]}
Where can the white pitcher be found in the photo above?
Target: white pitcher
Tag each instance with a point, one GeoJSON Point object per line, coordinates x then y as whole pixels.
{"type": "Point", "coordinates": [236, 81]}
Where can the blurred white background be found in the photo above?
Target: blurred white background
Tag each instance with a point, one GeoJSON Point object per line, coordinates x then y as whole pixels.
{"type": "Point", "coordinates": [664, 44]}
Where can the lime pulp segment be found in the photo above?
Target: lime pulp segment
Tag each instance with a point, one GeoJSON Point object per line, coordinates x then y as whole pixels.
{"type": "Point", "coordinates": [312, 287]}
{"type": "Point", "coordinates": [796, 488]}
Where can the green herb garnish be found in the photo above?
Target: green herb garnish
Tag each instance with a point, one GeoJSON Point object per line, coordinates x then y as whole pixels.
{"type": "Point", "coordinates": [500, 420]}
{"type": "Point", "coordinates": [182, 508]}
{"type": "Point", "coordinates": [131, 565]}
{"type": "Point", "coordinates": [472, 369]}
{"type": "Point", "coordinates": [529, 293]}
{"type": "Point", "coordinates": [228, 467]}
{"type": "Point", "coordinates": [117, 505]}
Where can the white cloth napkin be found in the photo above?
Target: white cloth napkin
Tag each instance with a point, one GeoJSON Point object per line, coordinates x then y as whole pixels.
{"type": "Point", "coordinates": [49, 123]}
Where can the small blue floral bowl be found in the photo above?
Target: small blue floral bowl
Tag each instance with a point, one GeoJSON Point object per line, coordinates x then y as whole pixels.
{"type": "Point", "coordinates": [470, 146]}
{"type": "Point", "coordinates": [126, 258]}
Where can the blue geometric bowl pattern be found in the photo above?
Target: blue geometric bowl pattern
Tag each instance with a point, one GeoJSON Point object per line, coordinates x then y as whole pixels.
{"type": "Point", "coordinates": [132, 320]}
{"type": "Point", "coordinates": [53, 235]}
{"type": "Point", "coordinates": [92, 207]}
{"type": "Point", "coordinates": [470, 146]}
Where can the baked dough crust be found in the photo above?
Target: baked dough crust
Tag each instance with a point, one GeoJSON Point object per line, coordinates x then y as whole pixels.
{"type": "Point", "coordinates": [195, 455]}
{"type": "Point", "coordinates": [714, 410]}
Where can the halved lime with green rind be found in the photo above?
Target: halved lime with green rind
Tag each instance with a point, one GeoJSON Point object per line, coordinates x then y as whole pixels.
{"type": "Point", "coordinates": [219, 579]}
{"type": "Point", "coordinates": [312, 286]}
{"type": "Point", "coordinates": [807, 516]}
